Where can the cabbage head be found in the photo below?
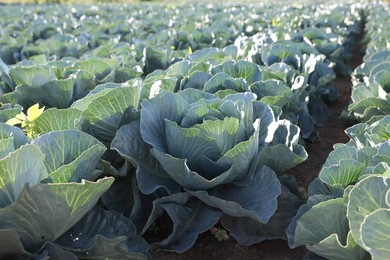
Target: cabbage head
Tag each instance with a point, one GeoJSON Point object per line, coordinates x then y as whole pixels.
{"type": "Point", "coordinates": [201, 158]}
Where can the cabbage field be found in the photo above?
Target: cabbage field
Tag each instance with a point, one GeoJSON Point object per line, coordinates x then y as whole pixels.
{"type": "Point", "coordinates": [140, 131]}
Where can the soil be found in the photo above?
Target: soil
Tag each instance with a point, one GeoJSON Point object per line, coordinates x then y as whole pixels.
{"type": "Point", "coordinates": [207, 247]}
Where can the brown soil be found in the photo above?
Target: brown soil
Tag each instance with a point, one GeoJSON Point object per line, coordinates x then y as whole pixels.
{"type": "Point", "coordinates": [207, 247]}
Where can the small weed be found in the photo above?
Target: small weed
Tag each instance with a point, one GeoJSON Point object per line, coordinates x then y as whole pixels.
{"type": "Point", "coordinates": [220, 234]}
{"type": "Point", "coordinates": [27, 121]}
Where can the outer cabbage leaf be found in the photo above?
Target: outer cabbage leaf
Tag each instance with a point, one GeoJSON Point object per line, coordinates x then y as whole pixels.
{"type": "Point", "coordinates": [290, 157]}
{"type": "Point", "coordinates": [105, 112]}
{"type": "Point", "coordinates": [376, 233]}
{"type": "Point", "coordinates": [55, 208]}
{"type": "Point", "coordinates": [38, 84]}
{"type": "Point", "coordinates": [101, 68]}
{"type": "Point", "coordinates": [155, 58]}
{"type": "Point", "coordinates": [341, 153]}
{"type": "Point", "coordinates": [7, 111]}
{"type": "Point", "coordinates": [254, 197]}
{"type": "Point", "coordinates": [279, 71]}
{"type": "Point", "coordinates": [369, 107]}
{"type": "Point", "coordinates": [363, 134]}
{"type": "Point", "coordinates": [246, 70]}
{"type": "Point", "coordinates": [23, 166]}
{"type": "Point", "coordinates": [14, 133]}
{"type": "Point", "coordinates": [120, 196]}
{"type": "Point", "coordinates": [55, 252]}
{"type": "Point", "coordinates": [101, 234]}
{"type": "Point", "coordinates": [328, 234]}
{"type": "Point", "coordinates": [272, 92]}
{"type": "Point", "coordinates": [10, 243]}
{"type": "Point", "coordinates": [57, 93]}
{"type": "Point", "coordinates": [101, 90]}
{"type": "Point", "coordinates": [154, 113]}
{"type": "Point", "coordinates": [190, 217]}
{"type": "Point", "coordinates": [6, 147]}
{"type": "Point", "coordinates": [33, 76]}
{"type": "Point", "coordinates": [311, 201]}
{"type": "Point", "coordinates": [345, 173]}
{"type": "Point", "coordinates": [70, 155]}
{"type": "Point", "coordinates": [248, 231]}
{"type": "Point", "coordinates": [150, 174]}
{"type": "Point", "coordinates": [368, 196]}
{"type": "Point", "coordinates": [381, 157]}
{"type": "Point", "coordinates": [155, 87]}
{"type": "Point", "coordinates": [197, 80]}
{"type": "Point", "coordinates": [57, 119]}
{"type": "Point", "coordinates": [283, 145]}
{"type": "Point", "coordinates": [318, 110]}
{"type": "Point", "coordinates": [282, 52]}
{"type": "Point", "coordinates": [217, 82]}
{"type": "Point", "coordinates": [4, 75]}
{"type": "Point", "coordinates": [213, 55]}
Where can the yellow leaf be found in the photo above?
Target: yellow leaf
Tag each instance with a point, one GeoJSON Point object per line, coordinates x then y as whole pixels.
{"type": "Point", "coordinates": [34, 112]}
{"type": "Point", "coordinates": [14, 121]}
{"type": "Point", "coordinates": [275, 23]}
{"type": "Point", "coordinates": [21, 116]}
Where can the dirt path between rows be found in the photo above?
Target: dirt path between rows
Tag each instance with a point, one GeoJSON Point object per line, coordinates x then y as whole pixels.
{"type": "Point", "coordinates": [208, 248]}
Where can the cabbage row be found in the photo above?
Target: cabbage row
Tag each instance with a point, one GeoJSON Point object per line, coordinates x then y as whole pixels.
{"type": "Point", "coordinates": [347, 212]}
{"type": "Point", "coordinates": [370, 93]}
{"type": "Point", "coordinates": [347, 215]}
{"type": "Point", "coordinates": [194, 116]}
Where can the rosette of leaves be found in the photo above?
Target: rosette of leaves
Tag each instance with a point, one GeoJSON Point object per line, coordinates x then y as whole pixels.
{"type": "Point", "coordinates": [200, 158]}
{"type": "Point", "coordinates": [347, 213]}
{"type": "Point", "coordinates": [48, 191]}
